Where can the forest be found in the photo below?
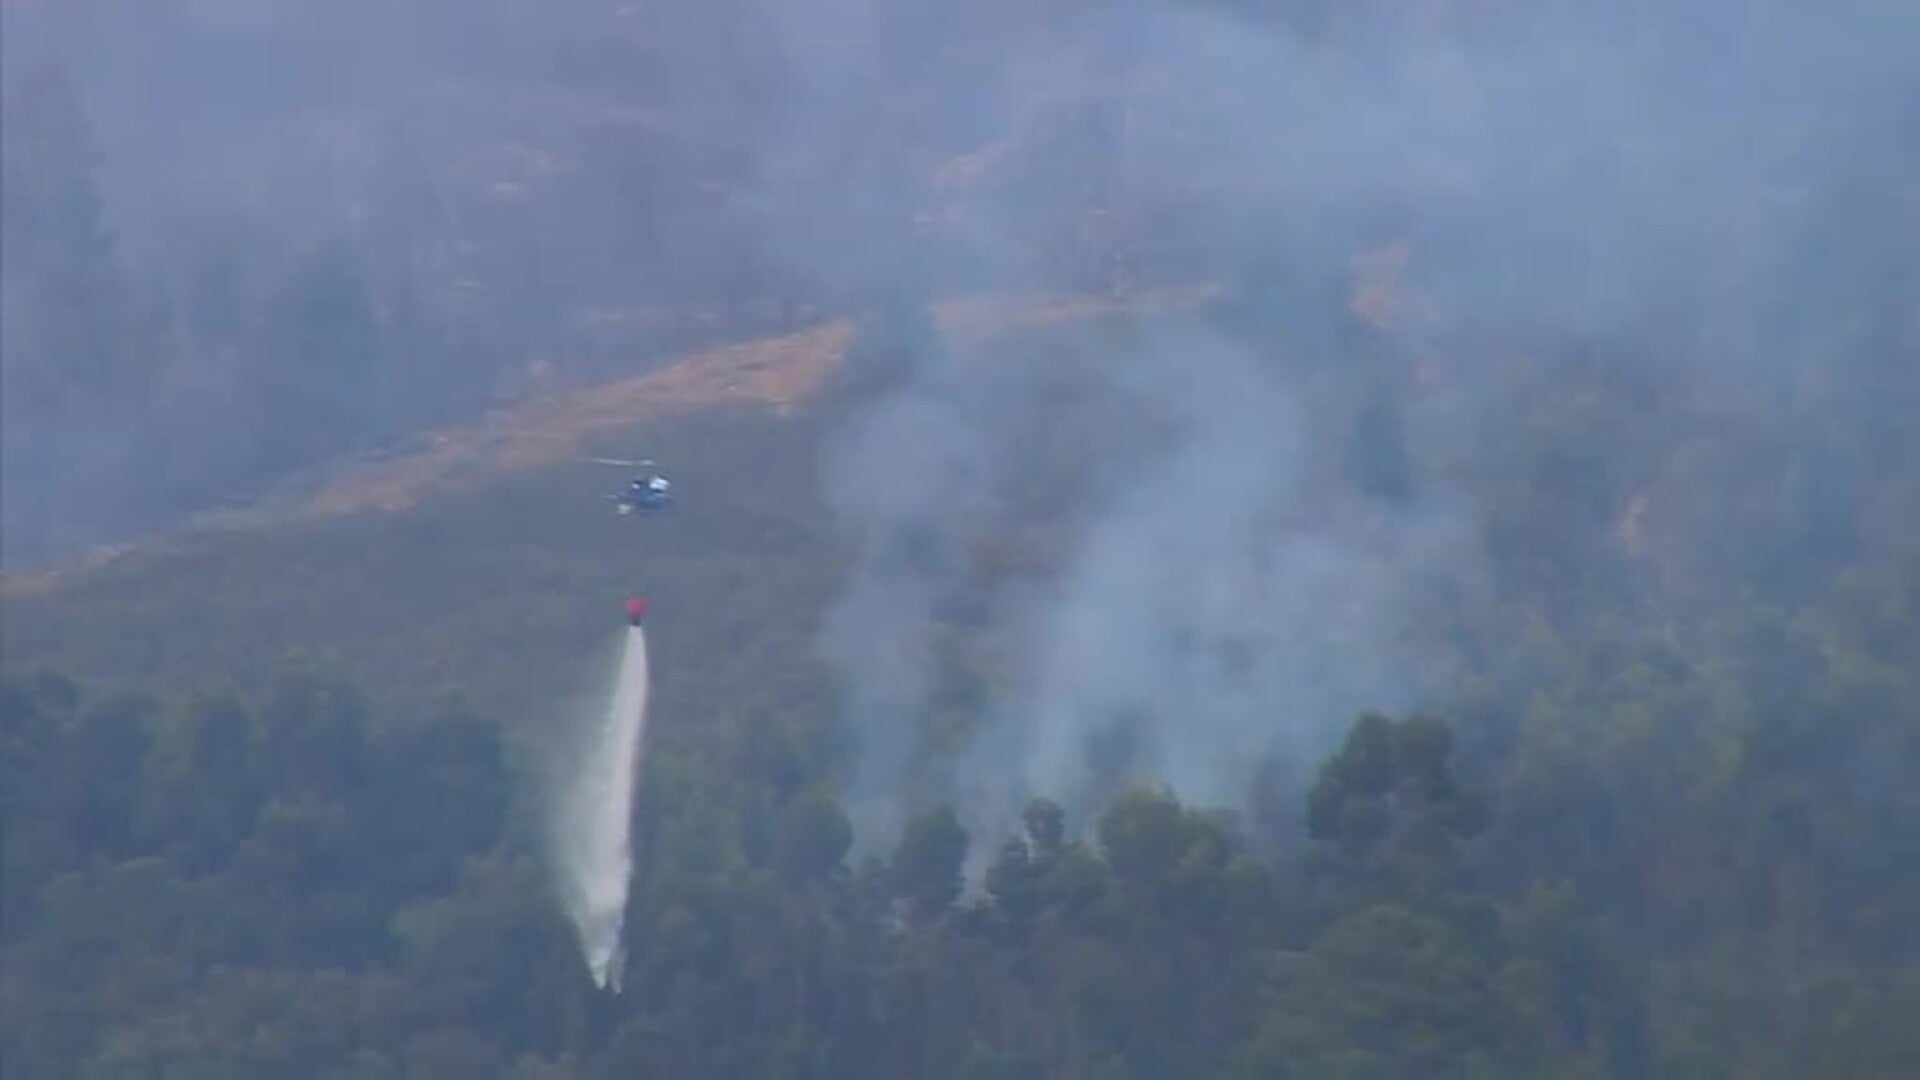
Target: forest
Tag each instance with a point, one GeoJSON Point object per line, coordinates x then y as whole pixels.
{"type": "Point", "coordinates": [1624, 843]}
{"type": "Point", "coordinates": [1662, 865]}
{"type": "Point", "coordinates": [1472, 630]}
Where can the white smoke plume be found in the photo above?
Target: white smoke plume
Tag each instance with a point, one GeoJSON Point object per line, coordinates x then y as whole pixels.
{"type": "Point", "coordinates": [1655, 180]}
{"type": "Point", "coordinates": [1212, 608]}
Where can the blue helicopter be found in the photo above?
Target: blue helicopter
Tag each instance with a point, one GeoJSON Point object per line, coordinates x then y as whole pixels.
{"type": "Point", "coordinates": [646, 492]}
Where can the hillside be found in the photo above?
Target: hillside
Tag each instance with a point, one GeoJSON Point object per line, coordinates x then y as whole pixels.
{"type": "Point", "coordinates": [1254, 539]}
{"type": "Point", "coordinates": [543, 431]}
{"type": "Point", "coordinates": [417, 570]}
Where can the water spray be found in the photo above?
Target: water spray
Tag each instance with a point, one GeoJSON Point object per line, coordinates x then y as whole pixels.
{"type": "Point", "coordinates": [592, 829]}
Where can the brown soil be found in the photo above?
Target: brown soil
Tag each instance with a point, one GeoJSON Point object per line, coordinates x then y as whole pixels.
{"type": "Point", "coordinates": [777, 373]}
{"type": "Point", "coordinates": [774, 371]}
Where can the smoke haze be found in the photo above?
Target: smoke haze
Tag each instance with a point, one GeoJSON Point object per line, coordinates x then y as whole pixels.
{"type": "Point", "coordinates": [1455, 240]}
{"type": "Point", "coordinates": [1454, 250]}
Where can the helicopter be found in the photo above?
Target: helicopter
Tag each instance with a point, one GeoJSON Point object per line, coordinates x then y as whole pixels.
{"type": "Point", "coordinates": [646, 492]}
